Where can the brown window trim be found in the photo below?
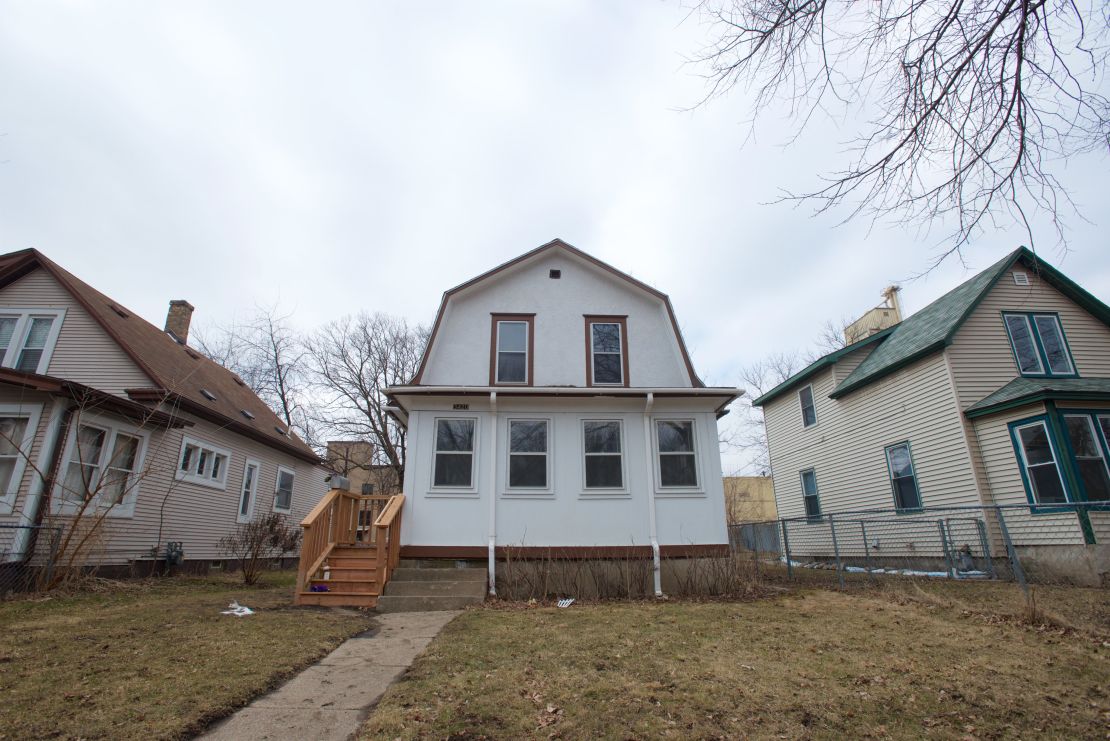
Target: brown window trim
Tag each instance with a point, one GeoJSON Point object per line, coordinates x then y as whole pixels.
{"type": "Point", "coordinates": [530, 319]}
{"type": "Point", "coordinates": [622, 320]}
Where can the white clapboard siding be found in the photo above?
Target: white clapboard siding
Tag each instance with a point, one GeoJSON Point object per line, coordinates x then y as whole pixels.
{"type": "Point", "coordinates": [84, 351]}
{"type": "Point", "coordinates": [846, 446]}
{"type": "Point", "coordinates": [982, 359]}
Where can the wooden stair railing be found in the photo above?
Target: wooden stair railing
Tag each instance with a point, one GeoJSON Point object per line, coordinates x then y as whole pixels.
{"type": "Point", "coordinates": [345, 519]}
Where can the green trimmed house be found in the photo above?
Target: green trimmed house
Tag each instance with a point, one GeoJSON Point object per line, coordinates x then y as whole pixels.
{"type": "Point", "coordinates": [998, 392]}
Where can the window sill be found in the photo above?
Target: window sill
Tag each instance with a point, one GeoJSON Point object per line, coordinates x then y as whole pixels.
{"type": "Point", "coordinates": [679, 493]}
{"type": "Point", "coordinates": [449, 494]}
{"type": "Point", "coordinates": [540, 494]}
{"type": "Point", "coordinates": [200, 481]}
{"type": "Point", "coordinates": [602, 494]}
{"type": "Point", "coordinates": [115, 513]}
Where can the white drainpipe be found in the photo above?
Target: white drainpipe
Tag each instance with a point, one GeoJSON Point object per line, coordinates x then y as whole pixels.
{"type": "Point", "coordinates": [656, 571]}
{"type": "Point", "coordinates": [492, 567]}
{"type": "Point", "coordinates": [51, 440]}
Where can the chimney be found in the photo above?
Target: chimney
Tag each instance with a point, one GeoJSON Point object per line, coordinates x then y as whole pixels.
{"type": "Point", "coordinates": [177, 320]}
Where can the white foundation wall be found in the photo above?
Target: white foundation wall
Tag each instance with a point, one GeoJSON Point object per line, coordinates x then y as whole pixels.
{"type": "Point", "coordinates": [566, 514]}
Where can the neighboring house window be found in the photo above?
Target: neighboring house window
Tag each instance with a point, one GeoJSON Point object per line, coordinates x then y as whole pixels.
{"type": "Point", "coordinates": [203, 463]}
{"type": "Point", "coordinates": [809, 494]}
{"type": "Point", "coordinates": [606, 351]}
{"type": "Point", "coordinates": [18, 423]}
{"type": "Point", "coordinates": [454, 454]}
{"type": "Point", "coordinates": [27, 337]}
{"type": "Point", "coordinates": [249, 491]}
{"type": "Point", "coordinates": [283, 492]}
{"type": "Point", "coordinates": [1088, 435]}
{"type": "Point", "coordinates": [103, 465]}
{"type": "Point", "coordinates": [809, 410]}
{"type": "Point", "coordinates": [528, 454]}
{"type": "Point", "coordinates": [903, 477]}
{"type": "Point", "coordinates": [1040, 467]}
{"type": "Point", "coordinates": [603, 454]}
{"type": "Point", "coordinates": [512, 349]}
{"type": "Point", "coordinates": [677, 457]}
{"type": "Point", "coordinates": [1040, 348]}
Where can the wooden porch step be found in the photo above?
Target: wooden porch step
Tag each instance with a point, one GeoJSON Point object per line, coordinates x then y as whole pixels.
{"type": "Point", "coordinates": [337, 599]}
{"type": "Point", "coordinates": [353, 574]}
{"type": "Point", "coordinates": [347, 586]}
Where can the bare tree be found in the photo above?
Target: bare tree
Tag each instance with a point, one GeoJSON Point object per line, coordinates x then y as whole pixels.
{"type": "Point", "coordinates": [271, 359]}
{"type": "Point", "coordinates": [830, 338]}
{"type": "Point", "coordinates": [971, 105]}
{"type": "Point", "coordinates": [747, 434]}
{"type": "Point", "coordinates": [353, 360]}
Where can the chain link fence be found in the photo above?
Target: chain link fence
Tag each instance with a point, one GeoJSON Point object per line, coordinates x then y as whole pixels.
{"type": "Point", "coordinates": [28, 556]}
{"type": "Point", "coordinates": [1059, 543]}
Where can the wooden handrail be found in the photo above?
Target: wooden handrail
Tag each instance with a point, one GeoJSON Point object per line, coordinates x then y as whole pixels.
{"type": "Point", "coordinates": [388, 538]}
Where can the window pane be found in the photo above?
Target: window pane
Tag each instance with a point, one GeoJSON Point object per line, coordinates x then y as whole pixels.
{"type": "Point", "coordinates": [809, 411]}
{"type": "Point", "coordinates": [809, 483]}
{"type": "Point", "coordinates": [1096, 481]}
{"type": "Point", "coordinates": [677, 470]}
{"type": "Point", "coordinates": [512, 336]}
{"type": "Point", "coordinates": [7, 468]}
{"type": "Point", "coordinates": [187, 457]}
{"type": "Point", "coordinates": [603, 437]}
{"type": "Point", "coordinates": [675, 437]}
{"type": "Point", "coordinates": [603, 472]}
{"type": "Point", "coordinates": [1082, 436]}
{"type": "Point", "coordinates": [607, 368]}
{"type": "Point", "coordinates": [12, 430]}
{"type": "Point", "coordinates": [1034, 440]}
{"type": "Point", "coordinates": [607, 338]}
{"type": "Point", "coordinates": [1052, 340]}
{"type": "Point", "coordinates": [455, 435]}
{"type": "Point", "coordinates": [905, 493]}
{"type": "Point", "coordinates": [512, 367]}
{"type": "Point", "coordinates": [90, 441]}
{"type": "Point", "coordinates": [813, 506]}
{"type": "Point", "coordinates": [7, 329]}
{"type": "Point", "coordinates": [900, 464]}
{"type": "Point", "coordinates": [528, 470]}
{"type": "Point", "coordinates": [528, 437]}
{"type": "Point", "coordinates": [1046, 484]}
{"type": "Point", "coordinates": [283, 499]}
{"type": "Point", "coordinates": [452, 469]}
{"type": "Point", "coordinates": [29, 361]}
{"type": "Point", "coordinates": [34, 344]}
{"type": "Point", "coordinates": [125, 452]}
{"type": "Point", "coordinates": [78, 483]}
{"type": "Point", "coordinates": [1024, 347]}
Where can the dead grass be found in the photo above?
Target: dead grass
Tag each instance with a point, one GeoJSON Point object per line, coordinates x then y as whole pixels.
{"type": "Point", "coordinates": [153, 659]}
{"type": "Point", "coordinates": [815, 664]}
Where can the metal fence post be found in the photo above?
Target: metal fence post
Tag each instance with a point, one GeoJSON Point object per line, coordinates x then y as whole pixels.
{"type": "Point", "coordinates": [947, 551]}
{"type": "Point", "coordinates": [985, 545]}
{"type": "Point", "coordinates": [1015, 563]}
{"type": "Point", "coordinates": [836, 552]}
{"type": "Point", "coordinates": [786, 551]}
{"type": "Point", "coordinates": [866, 548]}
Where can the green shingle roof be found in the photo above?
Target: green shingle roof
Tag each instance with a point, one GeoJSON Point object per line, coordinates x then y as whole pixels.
{"type": "Point", "coordinates": [1026, 390]}
{"type": "Point", "coordinates": [932, 328]}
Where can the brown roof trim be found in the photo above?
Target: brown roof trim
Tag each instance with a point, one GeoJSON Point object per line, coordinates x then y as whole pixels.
{"type": "Point", "coordinates": [185, 404]}
{"type": "Point", "coordinates": [694, 380]}
{"type": "Point", "coordinates": [97, 399]}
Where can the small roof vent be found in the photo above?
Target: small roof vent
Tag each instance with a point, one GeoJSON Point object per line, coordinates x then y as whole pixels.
{"type": "Point", "coordinates": [280, 431]}
{"type": "Point", "coordinates": [208, 394]}
{"type": "Point", "coordinates": [238, 380]}
{"type": "Point", "coordinates": [555, 274]}
{"type": "Point", "coordinates": [1020, 278]}
{"type": "Point", "coordinates": [119, 311]}
{"type": "Point", "coordinates": [246, 414]}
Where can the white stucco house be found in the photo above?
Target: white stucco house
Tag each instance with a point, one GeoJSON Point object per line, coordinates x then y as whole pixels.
{"type": "Point", "coordinates": [556, 407]}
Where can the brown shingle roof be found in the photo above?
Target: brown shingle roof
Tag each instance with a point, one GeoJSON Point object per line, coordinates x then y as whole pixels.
{"type": "Point", "coordinates": [174, 368]}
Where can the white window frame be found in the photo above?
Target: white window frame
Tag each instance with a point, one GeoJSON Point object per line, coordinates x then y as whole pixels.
{"type": "Point", "coordinates": [816, 495]}
{"type": "Point", "coordinates": [596, 492]}
{"type": "Point", "coordinates": [23, 317]}
{"type": "Point", "coordinates": [113, 428]}
{"type": "Point", "coordinates": [802, 406]}
{"type": "Point", "coordinates": [1024, 462]}
{"type": "Point", "coordinates": [240, 516]}
{"type": "Point", "coordinates": [619, 353]}
{"type": "Point", "coordinates": [32, 413]}
{"type": "Point", "coordinates": [449, 490]}
{"type": "Point", "coordinates": [292, 489]}
{"type": "Point", "coordinates": [695, 490]}
{"type": "Point", "coordinates": [202, 479]}
{"type": "Point", "coordinates": [526, 491]}
{"type": "Point", "coordinates": [497, 353]}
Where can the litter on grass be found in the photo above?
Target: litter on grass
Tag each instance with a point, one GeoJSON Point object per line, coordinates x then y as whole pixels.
{"type": "Point", "coordinates": [566, 602]}
{"type": "Point", "coordinates": [237, 610]}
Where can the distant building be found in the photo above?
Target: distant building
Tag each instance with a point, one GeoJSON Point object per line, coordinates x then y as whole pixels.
{"type": "Point", "coordinates": [354, 459]}
{"type": "Point", "coordinates": [749, 499]}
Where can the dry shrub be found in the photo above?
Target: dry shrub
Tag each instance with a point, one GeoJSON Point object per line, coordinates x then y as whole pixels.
{"type": "Point", "coordinates": [254, 543]}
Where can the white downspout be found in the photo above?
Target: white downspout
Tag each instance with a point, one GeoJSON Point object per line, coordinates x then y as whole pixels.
{"type": "Point", "coordinates": [51, 440]}
{"type": "Point", "coordinates": [656, 570]}
{"type": "Point", "coordinates": [492, 568]}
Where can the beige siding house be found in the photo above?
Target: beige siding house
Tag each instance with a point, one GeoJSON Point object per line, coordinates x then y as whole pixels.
{"type": "Point", "coordinates": [122, 436]}
{"type": "Point", "coordinates": [997, 393]}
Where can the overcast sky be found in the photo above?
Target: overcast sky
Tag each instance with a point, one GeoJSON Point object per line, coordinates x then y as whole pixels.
{"type": "Point", "coordinates": [342, 157]}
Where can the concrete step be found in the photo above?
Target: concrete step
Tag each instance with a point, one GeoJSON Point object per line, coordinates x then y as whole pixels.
{"type": "Point", "coordinates": [439, 563]}
{"type": "Point", "coordinates": [410, 603]}
{"type": "Point", "coordinates": [437, 588]}
{"type": "Point", "coordinates": [409, 573]}
{"type": "Point", "coordinates": [337, 599]}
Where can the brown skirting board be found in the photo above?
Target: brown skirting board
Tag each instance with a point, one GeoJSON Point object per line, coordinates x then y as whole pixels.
{"type": "Point", "coordinates": [472, 552]}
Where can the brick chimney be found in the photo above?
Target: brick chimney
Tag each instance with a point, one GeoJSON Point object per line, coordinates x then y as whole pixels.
{"type": "Point", "coordinates": [178, 318]}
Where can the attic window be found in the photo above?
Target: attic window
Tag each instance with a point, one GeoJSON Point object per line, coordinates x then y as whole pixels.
{"type": "Point", "coordinates": [208, 394]}
{"type": "Point", "coordinates": [555, 274]}
{"type": "Point", "coordinates": [1020, 278]}
{"type": "Point", "coordinates": [119, 311]}
{"type": "Point", "coordinates": [246, 414]}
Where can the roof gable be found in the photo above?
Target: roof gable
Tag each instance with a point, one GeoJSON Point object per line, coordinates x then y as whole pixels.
{"type": "Point", "coordinates": [178, 370]}
{"type": "Point", "coordinates": [573, 252]}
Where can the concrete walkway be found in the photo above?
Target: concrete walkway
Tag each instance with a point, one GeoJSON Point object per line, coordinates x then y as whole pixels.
{"type": "Point", "coordinates": [331, 699]}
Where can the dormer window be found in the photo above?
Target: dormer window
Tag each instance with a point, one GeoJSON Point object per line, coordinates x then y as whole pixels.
{"type": "Point", "coordinates": [512, 341]}
{"type": "Point", "coordinates": [1039, 345]}
{"type": "Point", "coordinates": [27, 337]}
{"type": "Point", "coordinates": [606, 351]}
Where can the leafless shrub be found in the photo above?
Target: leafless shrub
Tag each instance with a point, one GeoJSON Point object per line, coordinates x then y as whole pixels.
{"type": "Point", "coordinates": [254, 543]}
